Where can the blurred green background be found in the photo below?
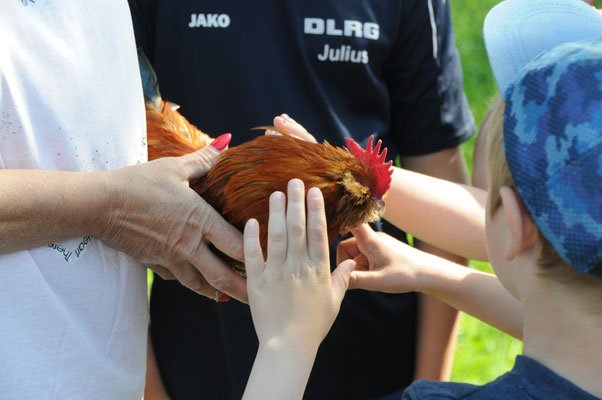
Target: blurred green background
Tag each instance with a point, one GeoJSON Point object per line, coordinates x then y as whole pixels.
{"type": "Point", "coordinates": [483, 352]}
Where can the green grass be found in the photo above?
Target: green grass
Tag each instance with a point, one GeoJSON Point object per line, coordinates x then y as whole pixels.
{"type": "Point", "coordinates": [483, 352]}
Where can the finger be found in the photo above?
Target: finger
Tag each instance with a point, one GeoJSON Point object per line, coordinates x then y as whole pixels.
{"type": "Point", "coordinates": [368, 280]}
{"type": "Point", "coordinates": [340, 278]}
{"type": "Point", "coordinates": [286, 124]}
{"type": "Point", "coordinates": [163, 272]}
{"type": "Point", "coordinates": [271, 132]}
{"type": "Point", "coordinates": [197, 164]}
{"type": "Point", "coordinates": [295, 219]}
{"type": "Point", "coordinates": [347, 250]}
{"type": "Point", "coordinates": [254, 262]}
{"type": "Point", "coordinates": [277, 237]}
{"type": "Point", "coordinates": [317, 235]}
{"type": "Point", "coordinates": [190, 277]}
{"type": "Point", "coordinates": [218, 231]}
{"type": "Point", "coordinates": [219, 275]}
{"type": "Point", "coordinates": [367, 240]}
{"type": "Point", "coordinates": [363, 233]}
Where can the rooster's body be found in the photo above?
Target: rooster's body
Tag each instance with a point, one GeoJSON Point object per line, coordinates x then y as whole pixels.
{"type": "Point", "coordinates": [239, 185]}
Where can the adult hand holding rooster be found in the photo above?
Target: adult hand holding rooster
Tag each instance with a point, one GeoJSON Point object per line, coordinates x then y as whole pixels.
{"type": "Point", "coordinates": [147, 211]}
{"type": "Point", "coordinates": [157, 219]}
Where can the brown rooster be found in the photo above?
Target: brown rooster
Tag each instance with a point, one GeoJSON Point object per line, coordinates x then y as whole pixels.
{"type": "Point", "coordinates": [238, 186]}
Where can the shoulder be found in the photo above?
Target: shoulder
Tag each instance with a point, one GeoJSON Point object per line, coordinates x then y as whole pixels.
{"type": "Point", "coordinates": [428, 390]}
{"type": "Point", "coordinates": [507, 386]}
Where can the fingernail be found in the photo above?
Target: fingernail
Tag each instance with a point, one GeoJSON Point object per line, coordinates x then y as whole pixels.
{"type": "Point", "coordinates": [252, 226]}
{"type": "Point", "coordinates": [314, 193]}
{"type": "Point", "coordinates": [295, 184]}
{"type": "Point", "coordinates": [270, 132]}
{"type": "Point", "coordinates": [221, 142]}
{"type": "Point", "coordinates": [276, 196]}
{"type": "Point", "coordinates": [222, 298]}
{"type": "Point", "coordinates": [285, 116]}
{"type": "Point", "coordinates": [283, 120]}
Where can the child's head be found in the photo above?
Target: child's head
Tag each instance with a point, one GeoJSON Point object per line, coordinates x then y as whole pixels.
{"type": "Point", "coordinates": [543, 130]}
{"type": "Point", "coordinates": [545, 142]}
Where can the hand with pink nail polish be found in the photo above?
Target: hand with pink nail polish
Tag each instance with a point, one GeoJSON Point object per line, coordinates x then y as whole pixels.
{"type": "Point", "coordinates": [153, 215]}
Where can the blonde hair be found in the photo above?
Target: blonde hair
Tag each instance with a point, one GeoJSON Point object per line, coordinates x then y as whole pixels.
{"type": "Point", "coordinates": [551, 265]}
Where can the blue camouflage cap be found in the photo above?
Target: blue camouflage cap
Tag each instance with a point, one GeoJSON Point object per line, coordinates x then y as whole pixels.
{"type": "Point", "coordinates": [553, 144]}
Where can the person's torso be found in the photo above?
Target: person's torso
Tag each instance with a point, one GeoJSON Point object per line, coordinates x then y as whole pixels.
{"type": "Point", "coordinates": [73, 313]}
{"type": "Point", "coordinates": [240, 63]}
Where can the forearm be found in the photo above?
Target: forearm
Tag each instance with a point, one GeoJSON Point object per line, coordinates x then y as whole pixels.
{"type": "Point", "coordinates": [38, 207]}
{"type": "Point", "coordinates": [476, 293]}
{"type": "Point", "coordinates": [436, 332]}
{"type": "Point", "coordinates": [448, 215]}
{"type": "Point", "coordinates": [279, 372]}
{"type": "Point", "coordinates": [154, 388]}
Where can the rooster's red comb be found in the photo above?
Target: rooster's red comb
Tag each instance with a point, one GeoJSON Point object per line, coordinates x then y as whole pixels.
{"type": "Point", "coordinates": [375, 163]}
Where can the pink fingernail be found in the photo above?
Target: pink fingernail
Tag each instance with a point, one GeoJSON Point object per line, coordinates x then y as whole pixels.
{"type": "Point", "coordinates": [221, 142]}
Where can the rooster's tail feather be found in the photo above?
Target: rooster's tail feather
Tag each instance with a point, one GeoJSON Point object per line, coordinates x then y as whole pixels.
{"type": "Point", "coordinates": [150, 85]}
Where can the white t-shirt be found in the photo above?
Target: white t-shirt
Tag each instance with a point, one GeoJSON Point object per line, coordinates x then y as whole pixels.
{"type": "Point", "coordinates": [73, 315]}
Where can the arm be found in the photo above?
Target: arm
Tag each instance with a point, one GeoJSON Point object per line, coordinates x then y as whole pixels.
{"type": "Point", "coordinates": [479, 160]}
{"type": "Point", "coordinates": [448, 215]}
{"type": "Point", "coordinates": [147, 211]}
{"type": "Point", "coordinates": [293, 297]}
{"type": "Point", "coordinates": [387, 265]}
{"type": "Point", "coordinates": [154, 389]}
{"type": "Point", "coordinates": [437, 322]}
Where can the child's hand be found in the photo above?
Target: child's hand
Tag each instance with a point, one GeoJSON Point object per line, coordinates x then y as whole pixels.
{"type": "Point", "coordinates": [382, 263]}
{"type": "Point", "coordinates": [286, 124]}
{"type": "Point", "coordinates": [293, 297]}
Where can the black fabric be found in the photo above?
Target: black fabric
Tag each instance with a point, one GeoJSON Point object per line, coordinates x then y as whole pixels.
{"type": "Point", "coordinates": [261, 63]}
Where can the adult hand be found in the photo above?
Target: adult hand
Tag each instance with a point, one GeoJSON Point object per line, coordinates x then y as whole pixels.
{"type": "Point", "coordinates": [294, 298]}
{"type": "Point", "coordinates": [285, 124]}
{"type": "Point", "coordinates": [383, 263]}
{"type": "Point", "coordinates": [155, 217]}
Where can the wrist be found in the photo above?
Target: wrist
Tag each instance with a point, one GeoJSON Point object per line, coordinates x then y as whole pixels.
{"type": "Point", "coordinates": [428, 275]}
{"type": "Point", "coordinates": [439, 276]}
{"type": "Point", "coordinates": [284, 349]}
{"type": "Point", "coordinates": [102, 203]}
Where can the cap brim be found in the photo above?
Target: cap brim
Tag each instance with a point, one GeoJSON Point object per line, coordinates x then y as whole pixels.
{"type": "Point", "coordinates": [517, 31]}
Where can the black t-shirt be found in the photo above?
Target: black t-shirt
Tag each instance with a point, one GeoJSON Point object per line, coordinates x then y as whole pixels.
{"type": "Point", "coordinates": [341, 68]}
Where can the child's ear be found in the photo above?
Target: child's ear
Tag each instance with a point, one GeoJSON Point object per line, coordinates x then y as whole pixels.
{"type": "Point", "coordinates": [522, 229]}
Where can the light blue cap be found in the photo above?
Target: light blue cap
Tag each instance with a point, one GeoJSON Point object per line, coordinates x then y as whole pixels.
{"type": "Point", "coordinates": [517, 31]}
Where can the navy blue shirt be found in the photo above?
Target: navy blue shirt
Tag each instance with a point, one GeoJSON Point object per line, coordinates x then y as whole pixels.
{"type": "Point", "coordinates": [528, 380]}
{"type": "Point", "coordinates": [341, 68]}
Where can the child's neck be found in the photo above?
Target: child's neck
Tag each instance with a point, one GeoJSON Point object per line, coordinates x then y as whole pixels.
{"type": "Point", "coordinates": [560, 335]}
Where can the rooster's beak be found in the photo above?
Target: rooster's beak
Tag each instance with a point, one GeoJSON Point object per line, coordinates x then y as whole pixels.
{"type": "Point", "coordinates": [379, 204]}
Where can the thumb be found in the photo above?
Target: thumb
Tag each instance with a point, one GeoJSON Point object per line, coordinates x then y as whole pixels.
{"type": "Point", "coordinates": [367, 240]}
{"type": "Point", "coordinates": [368, 280]}
{"type": "Point", "coordinates": [198, 163]}
{"type": "Point", "coordinates": [340, 278]}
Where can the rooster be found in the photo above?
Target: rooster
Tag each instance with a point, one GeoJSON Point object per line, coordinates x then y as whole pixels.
{"type": "Point", "coordinates": [353, 182]}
